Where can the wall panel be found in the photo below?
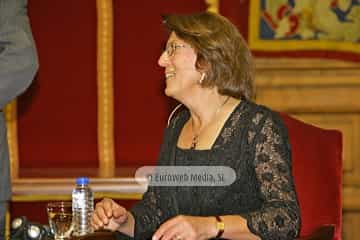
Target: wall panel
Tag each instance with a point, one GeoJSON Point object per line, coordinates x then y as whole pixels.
{"type": "Point", "coordinates": [57, 115]}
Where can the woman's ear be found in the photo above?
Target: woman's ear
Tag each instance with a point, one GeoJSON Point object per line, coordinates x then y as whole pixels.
{"type": "Point", "coordinates": [201, 64]}
{"type": "Point", "coordinates": [203, 67]}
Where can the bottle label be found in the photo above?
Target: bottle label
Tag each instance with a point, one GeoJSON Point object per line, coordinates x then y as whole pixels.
{"type": "Point", "coordinates": [79, 200]}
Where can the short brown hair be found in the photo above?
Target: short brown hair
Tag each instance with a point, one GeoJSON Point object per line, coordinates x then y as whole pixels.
{"type": "Point", "coordinates": [221, 48]}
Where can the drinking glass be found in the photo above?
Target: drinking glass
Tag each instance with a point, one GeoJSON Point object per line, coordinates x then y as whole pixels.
{"type": "Point", "coordinates": [60, 219]}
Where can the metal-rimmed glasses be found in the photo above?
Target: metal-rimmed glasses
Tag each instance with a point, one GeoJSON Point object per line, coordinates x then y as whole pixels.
{"type": "Point", "coordinates": [171, 48]}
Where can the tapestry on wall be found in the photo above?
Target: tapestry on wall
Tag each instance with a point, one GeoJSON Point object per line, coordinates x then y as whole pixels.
{"type": "Point", "coordinates": [287, 25]}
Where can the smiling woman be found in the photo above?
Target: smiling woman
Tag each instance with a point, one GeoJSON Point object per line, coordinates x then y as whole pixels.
{"type": "Point", "coordinates": [208, 69]}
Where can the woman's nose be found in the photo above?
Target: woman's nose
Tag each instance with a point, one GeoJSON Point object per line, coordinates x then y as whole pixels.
{"type": "Point", "coordinates": [163, 60]}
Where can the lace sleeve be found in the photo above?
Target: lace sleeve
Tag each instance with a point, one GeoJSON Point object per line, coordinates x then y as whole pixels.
{"type": "Point", "coordinates": [155, 206]}
{"type": "Point", "coordinates": [279, 217]}
{"type": "Point", "coordinates": [148, 214]}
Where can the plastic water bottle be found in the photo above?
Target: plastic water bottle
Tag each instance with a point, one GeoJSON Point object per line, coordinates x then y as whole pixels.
{"type": "Point", "coordinates": [82, 207]}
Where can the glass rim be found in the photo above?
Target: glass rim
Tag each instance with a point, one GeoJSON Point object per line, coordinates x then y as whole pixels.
{"type": "Point", "coordinates": [59, 204]}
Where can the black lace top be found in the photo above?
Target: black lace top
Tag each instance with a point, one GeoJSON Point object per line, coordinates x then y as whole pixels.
{"type": "Point", "coordinates": [254, 142]}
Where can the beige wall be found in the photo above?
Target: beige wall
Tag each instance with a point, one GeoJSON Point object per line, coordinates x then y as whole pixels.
{"type": "Point", "coordinates": [325, 93]}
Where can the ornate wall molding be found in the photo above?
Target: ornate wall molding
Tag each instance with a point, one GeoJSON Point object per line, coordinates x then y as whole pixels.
{"type": "Point", "coordinates": [308, 85]}
{"type": "Point", "coordinates": [105, 88]}
{"type": "Point", "coordinates": [213, 6]}
{"type": "Point", "coordinates": [44, 189]}
{"type": "Point", "coordinates": [10, 111]}
{"type": "Point", "coordinates": [303, 63]}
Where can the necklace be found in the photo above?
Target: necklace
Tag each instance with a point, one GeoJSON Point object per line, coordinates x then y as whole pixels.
{"type": "Point", "coordinates": [195, 137]}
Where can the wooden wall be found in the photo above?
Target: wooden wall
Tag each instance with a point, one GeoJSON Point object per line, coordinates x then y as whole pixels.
{"type": "Point", "coordinates": [325, 93]}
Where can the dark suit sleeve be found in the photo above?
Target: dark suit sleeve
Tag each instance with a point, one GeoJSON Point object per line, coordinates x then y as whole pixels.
{"type": "Point", "coordinates": [18, 58]}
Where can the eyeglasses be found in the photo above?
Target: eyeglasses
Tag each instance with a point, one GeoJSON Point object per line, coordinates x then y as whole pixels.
{"type": "Point", "coordinates": [171, 48]}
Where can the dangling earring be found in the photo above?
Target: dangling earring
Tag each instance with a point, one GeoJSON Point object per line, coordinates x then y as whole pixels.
{"type": "Point", "coordinates": [203, 75]}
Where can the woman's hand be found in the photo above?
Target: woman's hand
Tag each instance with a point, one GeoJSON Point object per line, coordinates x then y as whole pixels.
{"type": "Point", "coordinates": [108, 215]}
{"type": "Point", "coordinates": [187, 228]}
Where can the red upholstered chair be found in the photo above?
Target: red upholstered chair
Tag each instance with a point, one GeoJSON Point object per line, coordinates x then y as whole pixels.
{"type": "Point", "coordinates": [317, 170]}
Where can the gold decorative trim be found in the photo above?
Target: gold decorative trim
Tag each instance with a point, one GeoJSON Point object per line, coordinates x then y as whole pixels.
{"type": "Point", "coordinates": [105, 88]}
{"type": "Point", "coordinates": [67, 197]}
{"type": "Point", "coordinates": [7, 224]}
{"type": "Point", "coordinates": [351, 198]}
{"type": "Point", "coordinates": [213, 6]}
{"type": "Point", "coordinates": [10, 112]}
{"type": "Point", "coordinates": [56, 189]}
{"type": "Point", "coordinates": [304, 63]}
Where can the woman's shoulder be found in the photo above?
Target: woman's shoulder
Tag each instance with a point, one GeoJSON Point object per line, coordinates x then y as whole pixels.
{"type": "Point", "coordinates": [260, 114]}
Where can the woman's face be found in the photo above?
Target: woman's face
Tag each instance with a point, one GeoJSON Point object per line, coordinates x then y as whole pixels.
{"type": "Point", "coordinates": [181, 75]}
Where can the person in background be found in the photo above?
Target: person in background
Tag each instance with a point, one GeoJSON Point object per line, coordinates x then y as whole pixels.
{"type": "Point", "coordinates": [18, 65]}
{"type": "Point", "coordinates": [208, 69]}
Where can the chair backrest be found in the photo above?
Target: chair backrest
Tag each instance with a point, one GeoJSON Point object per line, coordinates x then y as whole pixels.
{"type": "Point", "coordinates": [317, 170]}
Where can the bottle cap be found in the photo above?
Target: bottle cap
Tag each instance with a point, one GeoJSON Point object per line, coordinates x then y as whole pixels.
{"type": "Point", "coordinates": [82, 180]}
